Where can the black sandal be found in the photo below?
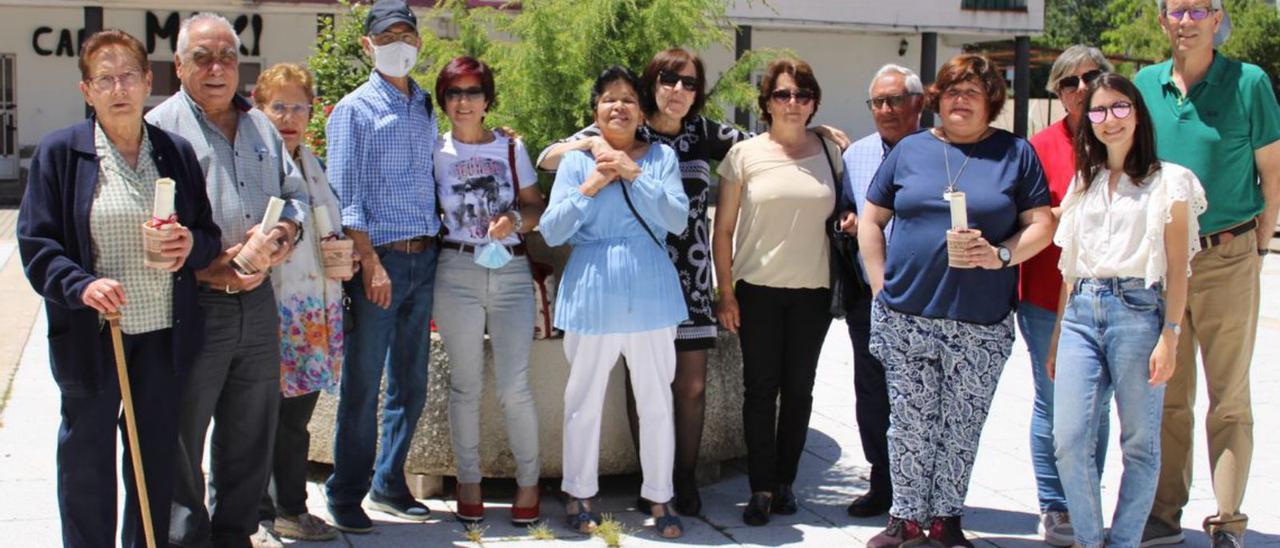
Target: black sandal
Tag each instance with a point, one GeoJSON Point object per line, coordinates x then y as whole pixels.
{"type": "Point", "coordinates": [667, 520]}
{"type": "Point", "coordinates": [584, 521]}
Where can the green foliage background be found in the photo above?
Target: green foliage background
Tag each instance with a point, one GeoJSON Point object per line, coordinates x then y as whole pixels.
{"type": "Point", "coordinates": [545, 56]}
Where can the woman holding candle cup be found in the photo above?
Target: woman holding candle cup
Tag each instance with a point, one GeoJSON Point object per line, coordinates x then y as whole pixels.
{"type": "Point", "coordinates": [483, 281]}
{"type": "Point", "coordinates": [310, 306]}
{"type": "Point", "coordinates": [968, 202]}
{"type": "Point", "coordinates": [91, 189]}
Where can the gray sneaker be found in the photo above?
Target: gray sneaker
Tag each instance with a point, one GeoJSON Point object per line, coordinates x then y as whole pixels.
{"type": "Point", "coordinates": [265, 537]}
{"type": "Point", "coordinates": [1227, 539]}
{"type": "Point", "coordinates": [1056, 528]}
{"type": "Point", "coordinates": [1158, 533]}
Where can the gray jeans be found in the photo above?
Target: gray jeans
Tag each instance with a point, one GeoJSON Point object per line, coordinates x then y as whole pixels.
{"type": "Point", "coordinates": [235, 381]}
{"type": "Point", "coordinates": [469, 297]}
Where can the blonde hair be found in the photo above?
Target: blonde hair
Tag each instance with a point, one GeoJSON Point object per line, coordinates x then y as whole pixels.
{"type": "Point", "coordinates": [279, 76]}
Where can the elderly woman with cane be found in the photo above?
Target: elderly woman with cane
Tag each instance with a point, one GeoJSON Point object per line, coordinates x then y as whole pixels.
{"type": "Point", "coordinates": [81, 237]}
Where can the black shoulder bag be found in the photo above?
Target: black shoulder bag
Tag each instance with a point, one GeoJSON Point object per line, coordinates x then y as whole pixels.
{"type": "Point", "coordinates": [846, 276]}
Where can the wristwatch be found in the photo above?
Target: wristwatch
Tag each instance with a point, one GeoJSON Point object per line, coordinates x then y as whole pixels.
{"type": "Point", "coordinates": [1175, 328]}
{"type": "Point", "coordinates": [1263, 252]}
{"type": "Point", "coordinates": [1005, 256]}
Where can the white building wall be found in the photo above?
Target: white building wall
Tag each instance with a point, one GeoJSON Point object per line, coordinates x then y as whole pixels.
{"type": "Point", "coordinates": [46, 92]}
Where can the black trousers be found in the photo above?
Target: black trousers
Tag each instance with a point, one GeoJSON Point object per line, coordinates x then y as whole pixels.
{"type": "Point", "coordinates": [781, 335]}
{"type": "Point", "coordinates": [872, 393]}
{"type": "Point", "coordinates": [287, 493]}
{"type": "Point", "coordinates": [87, 446]}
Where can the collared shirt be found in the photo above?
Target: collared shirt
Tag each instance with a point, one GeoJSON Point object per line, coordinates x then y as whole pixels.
{"type": "Point", "coordinates": [240, 176]}
{"type": "Point", "coordinates": [861, 160]}
{"type": "Point", "coordinates": [380, 161]}
{"type": "Point", "coordinates": [121, 204]}
{"type": "Point", "coordinates": [1214, 130]}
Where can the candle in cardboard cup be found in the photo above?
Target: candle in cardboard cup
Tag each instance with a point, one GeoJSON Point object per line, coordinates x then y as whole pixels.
{"type": "Point", "coordinates": [335, 253]}
{"type": "Point", "coordinates": [960, 235]}
{"type": "Point", "coordinates": [156, 230]}
{"type": "Point", "coordinates": [255, 256]}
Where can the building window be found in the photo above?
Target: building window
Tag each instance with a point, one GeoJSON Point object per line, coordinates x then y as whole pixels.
{"type": "Point", "coordinates": [998, 5]}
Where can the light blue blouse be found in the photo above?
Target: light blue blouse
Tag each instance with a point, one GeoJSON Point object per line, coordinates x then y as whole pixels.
{"type": "Point", "coordinates": [618, 280]}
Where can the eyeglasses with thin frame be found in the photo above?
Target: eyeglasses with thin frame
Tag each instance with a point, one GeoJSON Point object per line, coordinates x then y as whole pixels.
{"type": "Point", "coordinates": [970, 94]}
{"type": "Point", "coordinates": [894, 101]}
{"type": "Point", "coordinates": [107, 82]}
{"type": "Point", "coordinates": [801, 96]}
{"type": "Point", "coordinates": [1119, 109]}
{"type": "Point", "coordinates": [474, 93]}
{"type": "Point", "coordinates": [1196, 14]}
{"type": "Point", "coordinates": [385, 38]}
{"type": "Point", "coordinates": [282, 109]}
{"type": "Point", "coordinates": [669, 80]}
{"type": "Point", "coordinates": [1068, 83]}
{"type": "Point", "coordinates": [203, 58]}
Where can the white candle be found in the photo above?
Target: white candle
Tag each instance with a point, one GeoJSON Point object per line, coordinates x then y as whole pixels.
{"type": "Point", "coordinates": [163, 207]}
{"type": "Point", "coordinates": [959, 214]}
{"type": "Point", "coordinates": [323, 223]}
{"type": "Point", "coordinates": [272, 216]}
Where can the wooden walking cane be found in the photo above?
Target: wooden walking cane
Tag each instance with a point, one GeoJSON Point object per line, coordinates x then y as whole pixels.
{"type": "Point", "coordinates": [131, 426]}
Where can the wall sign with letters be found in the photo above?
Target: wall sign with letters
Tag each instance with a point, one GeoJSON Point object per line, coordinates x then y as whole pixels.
{"type": "Point", "coordinates": [46, 41]}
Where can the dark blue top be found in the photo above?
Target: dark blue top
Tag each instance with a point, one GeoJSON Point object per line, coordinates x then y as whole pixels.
{"type": "Point", "coordinates": [57, 250]}
{"type": "Point", "coordinates": [1002, 179]}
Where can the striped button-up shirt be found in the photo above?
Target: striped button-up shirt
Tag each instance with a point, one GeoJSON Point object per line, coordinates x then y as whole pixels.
{"type": "Point", "coordinates": [240, 176]}
{"type": "Point", "coordinates": [379, 161]}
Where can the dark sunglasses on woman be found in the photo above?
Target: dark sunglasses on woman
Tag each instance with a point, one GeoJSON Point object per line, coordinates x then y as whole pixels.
{"type": "Point", "coordinates": [1119, 109]}
{"type": "Point", "coordinates": [802, 96]}
{"type": "Point", "coordinates": [1073, 81]}
{"type": "Point", "coordinates": [669, 79]}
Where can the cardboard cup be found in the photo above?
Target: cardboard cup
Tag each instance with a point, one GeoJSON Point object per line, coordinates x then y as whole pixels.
{"type": "Point", "coordinates": [152, 237]}
{"type": "Point", "coordinates": [957, 243]}
{"type": "Point", "coordinates": [255, 256]}
{"type": "Point", "coordinates": [336, 257]}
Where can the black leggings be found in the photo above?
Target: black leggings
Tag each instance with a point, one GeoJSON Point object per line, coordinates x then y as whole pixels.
{"type": "Point", "coordinates": [781, 335]}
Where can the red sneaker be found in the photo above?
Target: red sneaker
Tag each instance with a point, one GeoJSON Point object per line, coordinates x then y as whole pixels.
{"type": "Point", "coordinates": [900, 533]}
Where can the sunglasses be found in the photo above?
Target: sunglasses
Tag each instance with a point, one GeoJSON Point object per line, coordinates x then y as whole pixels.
{"type": "Point", "coordinates": [669, 79]}
{"type": "Point", "coordinates": [802, 96]}
{"type": "Point", "coordinates": [894, 101]}
{"type": "Point", "coordinates": [458, 94]}
{"type": "Point", "coordinates": [1120, 110]}
{"type": "Point", "coordinates": [1196, 14]}
{"type": "Point", "coordinates": [1073, 81]}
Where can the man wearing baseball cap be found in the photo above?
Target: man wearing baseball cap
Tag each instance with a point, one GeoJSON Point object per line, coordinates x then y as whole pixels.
{"type": "Point", "coordinates": [380, 140]}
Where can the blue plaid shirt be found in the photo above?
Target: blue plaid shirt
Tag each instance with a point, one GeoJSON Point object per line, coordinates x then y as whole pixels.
{"type": "Point", "coordinates": [380, 146]}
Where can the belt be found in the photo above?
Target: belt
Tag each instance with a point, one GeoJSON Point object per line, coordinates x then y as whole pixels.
{"type": "Point", "coordinates": [516, 250]}
{"type": "Point", "coordinates": [1221, 238]}
{"type": "Point", "coordinates": [412, 245]}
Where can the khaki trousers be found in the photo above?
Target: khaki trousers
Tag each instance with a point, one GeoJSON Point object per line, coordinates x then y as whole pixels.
{"type": "Point", "coordinates": [1221, 321]}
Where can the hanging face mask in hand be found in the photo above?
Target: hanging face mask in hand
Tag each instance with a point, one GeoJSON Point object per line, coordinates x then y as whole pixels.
{"type": "Point", "coordinates": [493, 255]}
{"type": "Point", "coordinates": [395, 59]}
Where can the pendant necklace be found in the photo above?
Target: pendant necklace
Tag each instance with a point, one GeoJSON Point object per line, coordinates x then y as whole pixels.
{"type": "Point", "coordinates": [946, 160]}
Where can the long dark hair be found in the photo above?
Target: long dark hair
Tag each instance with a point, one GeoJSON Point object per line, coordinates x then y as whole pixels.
{"type": "Point", "coordinates": [1091, 154]}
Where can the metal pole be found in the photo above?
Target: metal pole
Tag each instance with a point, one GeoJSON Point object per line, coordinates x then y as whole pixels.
{"type": "Point", "coordinates": [92, 24]}
{"type": "Point", "coordinates": [1021, 84]}
{"type": "Point", "coordinates": [928, 68]}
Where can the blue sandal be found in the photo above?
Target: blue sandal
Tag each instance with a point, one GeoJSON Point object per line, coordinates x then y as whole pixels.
{"type": "Point", "coordinates": [667, 520]}
{"type": "Point", "coordinates": [584, 521]}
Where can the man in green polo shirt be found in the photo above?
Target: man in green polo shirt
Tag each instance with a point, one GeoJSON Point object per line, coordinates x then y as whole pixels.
{"type": "Point", "coordinates": [1219, 118]}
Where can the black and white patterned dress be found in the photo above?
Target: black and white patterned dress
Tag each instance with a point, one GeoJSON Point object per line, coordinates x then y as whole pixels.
{"type": "Point", "coordinates": [700, 142]}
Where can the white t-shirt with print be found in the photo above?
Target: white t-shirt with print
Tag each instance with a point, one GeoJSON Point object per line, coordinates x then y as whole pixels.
{"type": "Point", "coordinates": [473, 185]}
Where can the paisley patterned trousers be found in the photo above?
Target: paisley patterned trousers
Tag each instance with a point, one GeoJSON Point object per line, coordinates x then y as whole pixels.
{"type": "Point", "coordinates": [942, 375]}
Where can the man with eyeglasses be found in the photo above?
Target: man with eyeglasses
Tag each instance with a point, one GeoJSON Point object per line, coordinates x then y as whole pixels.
{"type": "Point", "coordinates": [897, 98]}
{"type": "Point", "coordinates": [380, 142]}
{"type": "Point", "coordinates": [235, 380]}
{"type": "Point", "coordinates": [1218, 117]}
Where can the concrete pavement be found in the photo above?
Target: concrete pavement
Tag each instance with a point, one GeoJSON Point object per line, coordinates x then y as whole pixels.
{"type": "Point", "coordinates": [1001, 503]}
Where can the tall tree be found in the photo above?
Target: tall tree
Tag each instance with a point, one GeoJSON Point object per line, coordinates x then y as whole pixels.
{"type": "Point", "coordinates": [1070, 22]}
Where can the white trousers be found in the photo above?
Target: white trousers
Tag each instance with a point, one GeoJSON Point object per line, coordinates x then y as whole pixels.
{"type": "Point", "coordinates": [651, 359]}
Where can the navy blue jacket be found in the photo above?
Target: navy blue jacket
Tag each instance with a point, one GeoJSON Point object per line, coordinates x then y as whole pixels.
{"type": "Point", "coordinates": [57, 251]}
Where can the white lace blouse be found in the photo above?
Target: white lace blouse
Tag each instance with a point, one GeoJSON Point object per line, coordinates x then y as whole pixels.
{"type": "Point", "coordinates": [1106, 235]}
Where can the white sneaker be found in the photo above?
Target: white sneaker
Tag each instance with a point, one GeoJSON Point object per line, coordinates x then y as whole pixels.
{"type": "Point", "coordinates": [1056, 529]}
{"type": "Point", "coordinates": [265, 537]}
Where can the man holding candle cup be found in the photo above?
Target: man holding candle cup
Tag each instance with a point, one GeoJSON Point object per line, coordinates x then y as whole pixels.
{"type": "Point", "coordinates": [235, 378]}
{"type": "Point", "coordinates": [380, 142]}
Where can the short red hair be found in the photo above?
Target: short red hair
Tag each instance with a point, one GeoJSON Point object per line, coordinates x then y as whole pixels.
{"type": "Point", "coordinates": [112, 37]}
{"type": "Point", "coordinates": [969, 67]}
{"type": "Point", "coordinates": [461, 67]}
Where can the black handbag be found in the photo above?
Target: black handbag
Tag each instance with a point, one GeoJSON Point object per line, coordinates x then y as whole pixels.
{"type": "Point", "coordinates": [846, 275]}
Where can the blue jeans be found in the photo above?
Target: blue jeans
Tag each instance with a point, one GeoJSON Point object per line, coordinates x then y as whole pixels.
{"type": "Point", "coordinates": [403, 330]}
{"type": "Point", "coordinates": [1108, 332]}
{"type": "Point", "coordinates": [1036, 325]}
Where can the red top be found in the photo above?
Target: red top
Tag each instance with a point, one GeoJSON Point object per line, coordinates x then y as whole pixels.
{"type": "Point", "coordinates": [1041, 280]}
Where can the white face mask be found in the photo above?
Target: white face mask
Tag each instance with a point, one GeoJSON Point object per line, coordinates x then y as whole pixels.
{"type": "Point", "coordinates": [395, 59]}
